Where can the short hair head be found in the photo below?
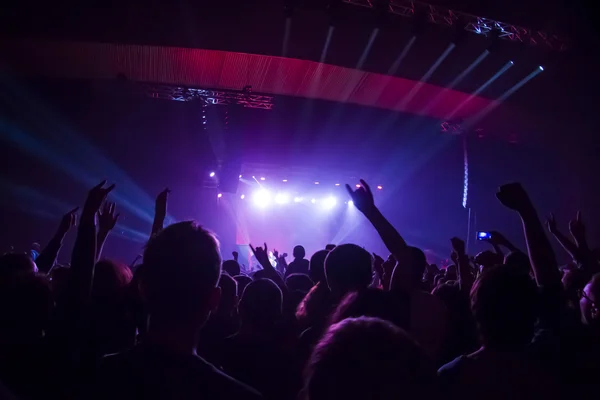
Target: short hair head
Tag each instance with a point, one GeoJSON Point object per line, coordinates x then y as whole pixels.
{"type": "Point", "coordinates": [232, 267]}
{"type": "Point", "coordinates": [229, 294]}
{"type": "Point", "coordinates": [316, 267]}
{"type": "Point", "coordinates": [182, 266]}
{"type": "Point", "coordinates": [299, 252]}
{"type": "Point", "coordinates": [348, 267]}
{"type": "Point", "coordinates": [261, 304]}
{"type": "Point", "coordinates": [356, 352]}
{"type": "Point", "coordinates": [504, 305]}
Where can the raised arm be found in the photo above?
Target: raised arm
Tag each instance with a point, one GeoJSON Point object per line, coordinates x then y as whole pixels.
{"type": "Point", "coordinates": [262, 256]}
{"type": "Point", "coordinates": [586, 258]}
{"type": "Point", "coordinates": [541, 255]}
{"type": "Point", "coordinates": [465, 278]}
{"type": "Point", "coordinates": [47, 258]}
{"type": "Point", "coordinates": [107, 219]}
{"type": "Point", "coordinates": [160, 211]}
{"type": "Point", "coordinates": [362, 198]}
{"type": "Point", "coordinates": [569, 246]}
{"type": "Point", "coordinates": [83, 259]}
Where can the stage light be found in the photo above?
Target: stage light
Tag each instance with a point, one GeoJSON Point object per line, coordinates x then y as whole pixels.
{"type": "Point", "coordinates": [357, 185]}
{"type": "Point", "coordinates": [262, 198]}
{"type": "Point", "coordinates": [282, 198]}
{"type": "Point", "coordinates": [212, 174]}
{"type": "Point", "coordinates": [285, 180]}
{"type": "Point", "coordinates": [337, 184]}
{"type": "Point", "coordinates": [243, 196]}
{"type": "Point", "coordinates": [541, 68]}
{"type": "Point", "coordinates": [379, 187]}
{"type": "Point", "coordinates": [240, 176]}
{"type": "Point", "coordinates": [220, 195]}
{"type": "Point", "coordinates": [316, 183]}
{"type": "Point", "coordinates": [512, 62]}
{"type": "Point", "coordinates": [350, 203]}
{"type": "Point", "coordinates": [313, 201]}
{"type": "Point", "coordinates": [329, 202]}
{"type": "Point", "coordinates": [262, 178]}
{"type": "Point", "coordinates": [297, 199]}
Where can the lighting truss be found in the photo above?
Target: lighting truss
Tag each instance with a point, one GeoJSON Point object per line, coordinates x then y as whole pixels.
{"type": "Point", "coordinates": [209, 96]}
{"type": "Point", "coordinates": [479, 25]}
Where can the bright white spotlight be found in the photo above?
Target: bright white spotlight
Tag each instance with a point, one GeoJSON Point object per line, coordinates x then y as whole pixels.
{"type": "Point", "coordinates": [240, 176]}
{"type": "Point", "coordinates": [261, 198]}
{"type": "Point", "coordinates": [313, 201]}
{"type": "Point", "coordinates": [285, 180]}
{"type": "Point", "coordinates": [337, 184]}
{"type": "Point", "coordinates": [329, 202]}
{"type": "Point", "coordinates": [220, 195]}
{"type": "Point", "coordinates": [212, 174]}
{"type": "Point", "coordinates": [541, 68]}
{"type": "Point", "coordinates": [379, 187]}
{"type": "Point", "coordinates": [243, 196]}
{"type": "Point", "coordinates": [282, 198]}
{"type": "Point", "coordinates": [297, 199]}
{"type": "Point", "coordinates": [316, 183]}
{"type": "Point", "coordinates": [357, 185]}
{"type": "Point", "coordinates": [262, 178]}
{"type": "Point", "coordinates": [350, 203]}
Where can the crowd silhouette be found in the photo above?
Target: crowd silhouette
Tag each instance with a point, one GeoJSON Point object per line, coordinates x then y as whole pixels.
{"type": "Point", "coordinates": [342, 324]}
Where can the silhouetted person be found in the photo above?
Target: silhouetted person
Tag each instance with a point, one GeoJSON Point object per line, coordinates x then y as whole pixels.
{"type": "Point", "coordinates": [231, 267]}
{"type": "Point", "coordinates": [316, 267]}
{"type": "Point", "coordinates": [242, 282]}
{"type": "Point", "coordinates": [300, 264]}
{"type": "Point", "coordinates": [348, 268]}
{"type": "Point", "coordinates": [256, 354]}
{"type": "Point", "coordinates": [368, 358]}
{"type": "Point", "coordinates": [182, 266]}
{"type": "Point", "coordinates": [504, 304]}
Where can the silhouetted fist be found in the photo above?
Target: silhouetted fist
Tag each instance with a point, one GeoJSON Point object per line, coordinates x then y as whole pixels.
{"type": "Point", "coordinates": [362, 197]}
{"type": "Point", "coordinates": [458, 245]}
{"type": "Point", "coordinates": [513, 196]}
{"type": "Point", "coordinates": [235, 255]}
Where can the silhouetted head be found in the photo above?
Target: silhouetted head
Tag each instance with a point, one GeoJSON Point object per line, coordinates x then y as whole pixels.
{"type": "Point", "coordinates": [242, 282]}
{"type": "Point", "coordinates": [315, 307]}
{"type": "Point", "coordinates": [348, 268]}
{"type": "Point", "coordinates": [299, 252]}
{"type": "Point", "coordinates": [488, 259]}
{"type": "Point", "coordinates": [589, 303]}
{"type": "Point", "coordinates": [111, 278]}
{"type": "Point", "coordinates": [519, 260]}
{"type": "Point", "coordinates": [504, 305]}
{"type": "Point", "coordinates": [298, 283]}
{"type": "Point", "coordinates": [367, 358]}
{"type": "Point", "coordinates": [16, 264]}
{"type": "Point", "coordinates": [261, 304]}
{"type": "Point", "coordinates": [229, 294]}
{"type": "Point", "coordinates": [231, 267]}
{"type": "Point", "coordinates": [316, 268]}
{"type": "Point", "coordinates": [26, 306]}
{"type": "Point", "coordinates": [182, 266]}
{"type": "Point", "coordinates": [372, 303]}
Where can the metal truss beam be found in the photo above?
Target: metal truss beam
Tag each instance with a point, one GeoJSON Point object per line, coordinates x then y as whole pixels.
{"type": "Point", "coordinates": [209, 96]}
{"type": "Point", "coordinates": [478, 25]}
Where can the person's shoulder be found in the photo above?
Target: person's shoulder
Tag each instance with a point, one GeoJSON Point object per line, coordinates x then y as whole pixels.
{"type": "Point", "coordinates": [225, 384]}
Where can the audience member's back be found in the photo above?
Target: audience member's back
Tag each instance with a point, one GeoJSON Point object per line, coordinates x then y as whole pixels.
{"type": "Point", "coordinates": [504, 305]}
{"type": "Point", "coordinates": [182, 266]}
{"type": "Point", "coordinates": [368, 358]}
{"type": "Point", "coordinates": [348, 268]}
{"type": "Point", "coordinates": [300, 264]}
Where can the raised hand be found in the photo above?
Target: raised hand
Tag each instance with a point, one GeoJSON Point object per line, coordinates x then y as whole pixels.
{"type": "Point", "coordinates": [458, 246]}
{"type": "Point", "coordinates": [68, 221]}
{"type": "Point", "coordinates": [362, 197]}
{"type": "Point", "coordinates": [513, 196]}
{"type": "Point", "coordinates": [235, 255]}
{"type": "Point", "coordinates": [577, 228]}
{"type": "Point", "coordinates": [551, 224]}
{"type": "Point", "coordinates": [95, 198]}
{"type": "Point", "coordinates": [160, 205]}
{"type": "Point", "coordinates": [107, 218]}
{"type": "Point", "coordinates": [276, 254]}
{"type": "Point", "coordinates": [262, 256]}
{"type": "Point", "coordinates": [378, 265]}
